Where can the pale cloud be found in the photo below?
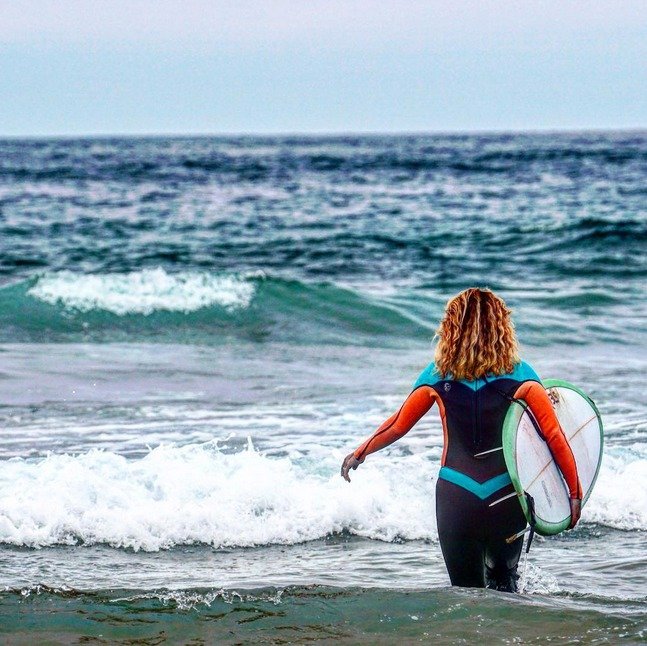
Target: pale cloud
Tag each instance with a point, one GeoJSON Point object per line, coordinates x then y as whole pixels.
{"type": "Point", "coordinates": [347, 23]}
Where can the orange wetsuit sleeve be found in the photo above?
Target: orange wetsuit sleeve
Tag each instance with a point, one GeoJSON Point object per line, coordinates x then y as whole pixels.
{"type": "Point", "coordinates": [535, 395]}
{"type": "Point", "coordinates": [400, 423]}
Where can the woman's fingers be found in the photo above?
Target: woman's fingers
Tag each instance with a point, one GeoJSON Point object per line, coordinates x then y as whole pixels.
{"type": "Point", "coordinates": [344, 469]}
{"type": "Point", "coordinates": [576, 511]}
{"type": "Point", "coordinates": [350, 462]}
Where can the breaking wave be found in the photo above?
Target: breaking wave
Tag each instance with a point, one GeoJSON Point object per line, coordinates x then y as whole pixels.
{"type": "Point", "coordinates": [203, 493]}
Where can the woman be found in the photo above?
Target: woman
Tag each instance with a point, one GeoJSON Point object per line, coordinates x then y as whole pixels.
{"type": "Point", "coordinates": [476, 374]}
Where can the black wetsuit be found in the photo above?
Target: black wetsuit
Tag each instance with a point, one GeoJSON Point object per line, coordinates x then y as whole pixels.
{"type": "Point", "coordinates": [473, 473]}
{"type": "Point", "coordinates": [472, 534]}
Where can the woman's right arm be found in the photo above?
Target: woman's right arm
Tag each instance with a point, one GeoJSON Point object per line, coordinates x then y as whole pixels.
{"type": "Point", "coordinates": [400, 423]}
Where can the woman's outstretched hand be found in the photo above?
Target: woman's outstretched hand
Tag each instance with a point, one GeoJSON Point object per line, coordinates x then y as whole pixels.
{"type": "Point", "coordinates": [576, 511]}
{"type": "Point", "coordinates": [350, 462]}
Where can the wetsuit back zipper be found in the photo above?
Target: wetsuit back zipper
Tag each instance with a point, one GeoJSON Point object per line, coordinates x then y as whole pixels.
{"type": "Point", "coordinates": [477, 426]}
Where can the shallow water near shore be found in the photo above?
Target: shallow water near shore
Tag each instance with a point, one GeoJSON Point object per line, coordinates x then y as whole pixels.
{"type": "Point", "coordinates": [196, 331]}
{"type": "Point", "coordinates": [317, 613]}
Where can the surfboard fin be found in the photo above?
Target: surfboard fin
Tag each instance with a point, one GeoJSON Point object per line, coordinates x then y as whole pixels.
{"type": "Point", "coordinates": [498, 500]}
{"type": "Point", "coordinates": [514, 537]}
{"type": "Point", "coordinates": [482, 453]}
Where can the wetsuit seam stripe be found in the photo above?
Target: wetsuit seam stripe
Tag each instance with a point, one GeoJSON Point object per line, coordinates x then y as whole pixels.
{"type": "Point", "coordinates": [578, 492]}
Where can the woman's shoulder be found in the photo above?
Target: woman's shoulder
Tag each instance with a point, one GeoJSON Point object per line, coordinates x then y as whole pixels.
{"type": "Point", "coordinates": [523, 371]}
{"type": "Point", "coordinates": [428, 377]}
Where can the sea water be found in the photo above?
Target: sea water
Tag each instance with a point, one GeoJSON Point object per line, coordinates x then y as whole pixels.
{"type": "Point", "coordinates": [195, 332]}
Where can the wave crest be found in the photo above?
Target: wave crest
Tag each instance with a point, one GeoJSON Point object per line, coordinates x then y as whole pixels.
{"type": "Point", "coordinates": [204, 494]}
{"type": "Point", "coordinates": [201, 494]}
{"type": "Point", "coordinates": [206, 308]}
{"type": "Point", "coordinates": [197, 307]}
{"type": "Point", "coordinates": [143, 292]}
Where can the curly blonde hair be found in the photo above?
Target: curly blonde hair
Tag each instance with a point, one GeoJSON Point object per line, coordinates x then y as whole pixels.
{"type": "Point", "coordinates": [476, 336]}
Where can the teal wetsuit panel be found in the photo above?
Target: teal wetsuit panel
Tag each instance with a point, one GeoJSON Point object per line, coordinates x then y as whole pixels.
{"type": "Point", "coordinates": [522, 372]}
{"type": "Point", "coordinates": [481, 489]}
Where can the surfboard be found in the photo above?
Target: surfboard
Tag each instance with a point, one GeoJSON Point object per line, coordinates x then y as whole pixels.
{"type": "Point", "coordinates": [531, 465]}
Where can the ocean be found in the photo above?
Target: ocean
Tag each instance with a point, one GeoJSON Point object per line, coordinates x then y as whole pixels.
{"type": "Point", "coordinates": [195, 331]}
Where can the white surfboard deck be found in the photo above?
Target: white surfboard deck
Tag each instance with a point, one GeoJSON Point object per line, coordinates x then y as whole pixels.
{"type": "Point", "coordinates": [531, 465]}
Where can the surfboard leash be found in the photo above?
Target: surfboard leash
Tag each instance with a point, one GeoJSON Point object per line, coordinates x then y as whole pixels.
{"type": "Point", "coordinates": [530, 530]}
{"type": "Point", "coordinates": [533, 521]}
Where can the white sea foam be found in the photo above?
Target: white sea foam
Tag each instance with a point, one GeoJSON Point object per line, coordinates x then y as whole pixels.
{"type": "Point", "coordinates": [198, 494]}
{"type": "Point", "coordinates": [190, 599]}
{"type": "Point", "coordinates": [619, 499]}
{"type": "Point", "coordinates": [143, 292]}
{"type": "Point", "coordinates": [534, 580]}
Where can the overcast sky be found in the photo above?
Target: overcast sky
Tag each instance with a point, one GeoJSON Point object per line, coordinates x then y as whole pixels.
{"type": "Point", "coordinates": [251, 66]}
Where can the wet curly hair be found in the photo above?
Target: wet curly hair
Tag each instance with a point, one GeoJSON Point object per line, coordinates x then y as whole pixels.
{"type": "Point", "coordinates": [476, 336]}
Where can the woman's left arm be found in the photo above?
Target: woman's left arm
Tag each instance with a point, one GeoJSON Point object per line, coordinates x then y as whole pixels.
{"type": "Point", "coordinates": [535, 394]}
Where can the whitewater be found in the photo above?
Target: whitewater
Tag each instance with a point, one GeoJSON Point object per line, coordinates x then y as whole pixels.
{"type": "Point", "coordinates": [198, 494]}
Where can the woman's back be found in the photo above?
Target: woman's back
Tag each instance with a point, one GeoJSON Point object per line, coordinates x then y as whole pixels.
{"type": "Point", "coordinates": [474, 411]}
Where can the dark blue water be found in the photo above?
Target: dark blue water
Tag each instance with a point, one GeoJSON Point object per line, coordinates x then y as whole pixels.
{"type": "Point", "coordinates": [195, 331]}
{"type": "Point", "coordinates": [556, 223]}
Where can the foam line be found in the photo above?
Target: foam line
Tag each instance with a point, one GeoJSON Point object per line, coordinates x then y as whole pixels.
{"type": "Point", "coordinates": [143, 292]}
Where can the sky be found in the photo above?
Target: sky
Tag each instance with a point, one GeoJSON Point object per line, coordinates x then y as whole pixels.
{"type": "Point", "coordinates": [102, 67]}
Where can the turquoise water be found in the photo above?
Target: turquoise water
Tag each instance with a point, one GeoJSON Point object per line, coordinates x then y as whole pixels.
{"type": "Point", "coordinates": [194, 332]}
{"type": "Point", "coordinates": [316, 613]}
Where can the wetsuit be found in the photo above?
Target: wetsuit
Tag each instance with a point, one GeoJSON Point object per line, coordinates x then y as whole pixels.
{"type": "Point", "coordinates": [472, 534]}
